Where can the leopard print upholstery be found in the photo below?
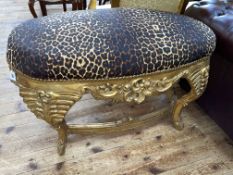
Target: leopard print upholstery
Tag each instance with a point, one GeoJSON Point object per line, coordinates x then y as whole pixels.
{"type": "Point", "coordinates": [108, 43]}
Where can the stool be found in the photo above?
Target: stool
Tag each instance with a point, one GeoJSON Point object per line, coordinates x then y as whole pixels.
{"type": "Point", "coordinates": [123, 55]}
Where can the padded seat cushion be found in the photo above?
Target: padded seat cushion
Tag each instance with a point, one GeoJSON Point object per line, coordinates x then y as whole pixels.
{"type": "Point", "coordinates": [108, 43]}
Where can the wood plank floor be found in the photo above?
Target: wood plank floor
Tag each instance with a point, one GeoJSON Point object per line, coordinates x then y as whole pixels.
{"type": "Point", "coordinates": [28, 145]}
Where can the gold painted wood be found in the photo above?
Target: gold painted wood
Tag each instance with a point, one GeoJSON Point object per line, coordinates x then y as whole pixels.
{"type": "Point", "coordinates": [51, 100]}
{"type": "Point", "coordinates": [121, 125]}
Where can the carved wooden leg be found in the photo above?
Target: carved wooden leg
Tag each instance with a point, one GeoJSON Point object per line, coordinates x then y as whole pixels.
{"type": "Point", "coordinates": [74, 5]}
{"type": "Point", "coordinates": [170, 95]}
{"type": "Point", "coordinates": [80, 5]}
{"type": "Point", "coordinates": [31, 8]}
{"type": "Point", "coordinates": [197, 79]}
{"type": "Point", "coordinates": [43, 8]}
{"type": "Point", "coordinates": [51, 107]}
{"type": "Point", "coordinates": [62, 137]}
{"type": "Point", "coordinates": [64, 5]}
{"type": "Point", "coordinates": [177, 109]}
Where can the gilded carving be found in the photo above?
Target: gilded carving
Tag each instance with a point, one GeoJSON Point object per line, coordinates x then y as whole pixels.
{"type": "Point", "coordinates": [49, 106]}
{"type": "Point", "coordinates": [136, 90]}
{"type": "Point", "coordinates": [51, 100]}
{"type": "Point", "coordinates": [199, 79]}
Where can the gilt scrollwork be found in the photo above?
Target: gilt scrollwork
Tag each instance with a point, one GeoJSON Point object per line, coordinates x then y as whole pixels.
{"type": "Point", "coordinates": [108, 90]}
{"type": "Point", "coordinates": [199, 79]}
{"type": "Point", "coordinates": [135, 90]}
{"type": "Point", "coordinates": [47, 105]}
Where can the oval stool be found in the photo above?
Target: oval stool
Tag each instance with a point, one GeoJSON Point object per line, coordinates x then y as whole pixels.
{"type": "Point", "coordinates": [124, 55]}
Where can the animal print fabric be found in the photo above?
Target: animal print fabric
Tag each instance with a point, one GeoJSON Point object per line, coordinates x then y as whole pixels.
{"type": "Point", "coordinates": [108, 43]}
{"type": "Point", "coordinates": [164, 5]}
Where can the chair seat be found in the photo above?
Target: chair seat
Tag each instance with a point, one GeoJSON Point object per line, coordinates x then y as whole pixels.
{"type": "Point", "coordinates": [108, 43]}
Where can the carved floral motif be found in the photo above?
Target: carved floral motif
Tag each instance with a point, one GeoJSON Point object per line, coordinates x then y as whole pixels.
{"type": "Point", "coordinates": [135, 90]}
{"type": "Point", "coordinates": [138, 90]}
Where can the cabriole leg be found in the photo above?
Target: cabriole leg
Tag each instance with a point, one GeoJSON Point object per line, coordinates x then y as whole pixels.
{"type": "Point", "coordinates": [31, 8]}
{"type": "Point", "coordinates": [62, 137]}
{"type": "Point", "coordinates": [198, 79]}
{"type": "Point", "coordinates": [43, 8]}
{"type": "Point", "coordinates": [179, 105]}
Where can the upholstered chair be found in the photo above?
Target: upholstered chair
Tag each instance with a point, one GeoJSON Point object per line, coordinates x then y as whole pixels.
{"type": "Point", "coordinates": [76, 4]}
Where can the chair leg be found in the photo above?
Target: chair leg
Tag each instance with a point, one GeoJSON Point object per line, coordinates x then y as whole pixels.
{"type": "Point", "coordinates": [84, 4]}
{"type": "Point", "coordinates": [184, 5]}
{"type": "Point", "coordinates": [62, 137]}
{"type": "Point", "coordinates": [198, 80]}
{"type": "Point", "coordinates": [74, 5]}
{"type": "Point", "coordinates": [31, 8]}
{"type": "Point", "coordinates": [52, 107]}
{"type": "Point", "coordinates": [80, 5]}
{"type": "Point", "coordinates": [43, 8]}
{"type": "Point", "coordinates": [179, 105]}
{"type": "Point", "coordinates": [64, 6]}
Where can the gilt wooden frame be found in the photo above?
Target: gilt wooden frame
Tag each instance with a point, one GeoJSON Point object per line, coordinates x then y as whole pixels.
{"type": "Point", "coordinates": [50, 100]}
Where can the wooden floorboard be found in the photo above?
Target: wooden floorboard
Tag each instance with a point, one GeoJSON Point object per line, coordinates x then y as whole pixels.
{"type": "Point", "coordinates": [28, 145]}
